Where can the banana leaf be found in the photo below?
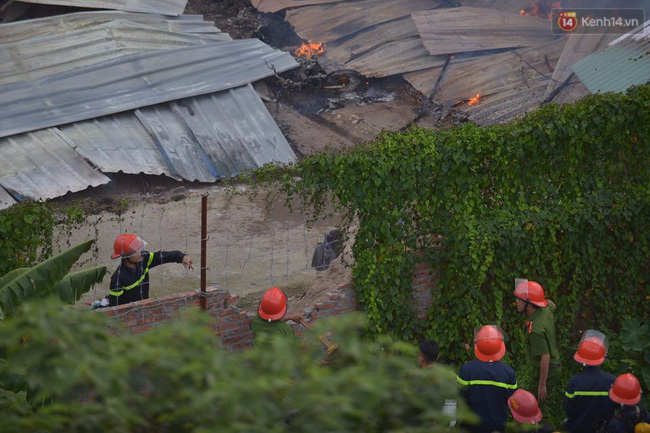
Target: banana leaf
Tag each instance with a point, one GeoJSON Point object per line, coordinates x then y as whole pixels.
{"type": "Point", "coordinates": [38, 281]}
{"type": "Point", "coordinates": [73, 286]}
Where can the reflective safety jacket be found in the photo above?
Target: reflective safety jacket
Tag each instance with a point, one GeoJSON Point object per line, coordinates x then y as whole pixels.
{"type": "Point", "coordinates": [486, 389]}
{"type": "Point", "coordinates": [586, 401]}
{"type": "Point", "coordinates": [130, 285]}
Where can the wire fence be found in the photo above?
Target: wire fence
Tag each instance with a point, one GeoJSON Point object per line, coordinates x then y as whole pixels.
{"type": "Point", "coordinates": [250, 245]}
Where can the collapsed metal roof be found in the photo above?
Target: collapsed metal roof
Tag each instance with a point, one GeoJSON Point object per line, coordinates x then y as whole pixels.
{"type": "Point", "coordinates": [93, 93]}
{"type": "Point", "coordinates": [278, 5]}
{"type": "Point", "coordinates": [465, 29]}
{"type": "Point", "coordinates": [622, 64]}
{"type": "Point", "coordinates": [134, 81]}
{"type": "Point", "coordinates": [166, 7]}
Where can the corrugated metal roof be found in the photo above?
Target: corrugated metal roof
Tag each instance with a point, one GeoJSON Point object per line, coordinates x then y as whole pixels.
{"type": "Point", "coordinates": [278, 5]}
{"type": "Point", "coordinates": [135, 81]}
{"type": "Point", "coordinates": [500, 5]}
{"type": "Point", "coordinates": [510, 83]}
{"type": "Point", "coordinates": [60, 24]}
{"type": "Point", "coordinates": [165, 7]}
{"type": "Point", "coordinates": [41, 165]}
{"type": "Point", "coordinates": [386, 49]}
{"type": "Point", "coordinates": [39, 57]}
{"type": "Point", "coordinates": [624, 63]}
{"type": "Point", "coordinates": [463, 29]}
{"type": "Point", "coordinates": [6, 200]}
{"type": "Point", "coordinates": [196, 139]}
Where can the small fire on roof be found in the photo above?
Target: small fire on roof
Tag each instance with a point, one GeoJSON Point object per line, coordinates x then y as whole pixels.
{"type": "Point", "coordinates": [541, 9]}
{"type": "Point", "coordinates": [310, 50]}
{"type": "Point", "coordinates": [475, 100]}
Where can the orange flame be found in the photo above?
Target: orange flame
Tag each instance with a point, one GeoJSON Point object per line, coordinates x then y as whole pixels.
{"type": "Point", "coordinates": [310, 50]}
{"type": "Point", "coordinates": [474, 100]}
{"type": "Point", "coordinates": [541, 9]}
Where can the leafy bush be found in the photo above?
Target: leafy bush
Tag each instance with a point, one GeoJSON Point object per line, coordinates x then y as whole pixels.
{"type": "Point", "coordinates": [171, 379]}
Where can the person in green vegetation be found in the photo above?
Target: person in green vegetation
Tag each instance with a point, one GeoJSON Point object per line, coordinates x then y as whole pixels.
{"type": "Point", "coordinates": [541, 344]}
{"type": "Point", "coordinates": [272, 316]}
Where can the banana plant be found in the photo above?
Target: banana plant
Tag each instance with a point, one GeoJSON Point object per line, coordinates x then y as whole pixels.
{"type": "Point", "coordinates": [48, 277]}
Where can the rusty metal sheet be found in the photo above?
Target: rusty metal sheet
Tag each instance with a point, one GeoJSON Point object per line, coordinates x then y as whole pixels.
{"type": "Point", "coordinates": [382, 50]}
{"type": "Point", "coordinates": [330, 22]}
{"type": "Point", "coordinates": [165, 7]}
{"type": "Point", "coordinates": [458, 30]}
{"type": "Point", "coordinates": [41, 165]}
{"type": "Point", "coordinates": [578, 47]}
{"type": "Point", "coordinates": [510, 83]}
{"type": "Point", "coordinates": [39, 57]}
{"type": "Point", "coordinates": [424, 80]}
{"type": "Point", "coordinates": [59, 24]}
{"type": "Point", "coordinates": [273, 6]}
{"type": "Point", "coordinates": [136, 81]}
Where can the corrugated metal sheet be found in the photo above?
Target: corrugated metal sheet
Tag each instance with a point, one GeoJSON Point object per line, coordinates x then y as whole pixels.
{"type": "Point", "coordinates": [135, 81]}
{"type": "Point", "coordinates": [60, 24]}
{"type": "Point", "coordinates": [510, 84]}
{"type": "Point", "coordinates": [624, 63]}
{"type": "Point", "coordinates": [386, 49]}
{"type": "Point", "coordinates": [278, 5]}
{"type": "Point", "coordinates": [330, 22]}
{"type": "Point", "coordinates": [578, 47]}
{"type": "Point", "coordinates": [196, 139]}
{"type": "Point", "coordinates": [463, 29]}
{"type": "Point", "coordinates": [39, 57]}
{"type": "Point", "coordinates": [165, 7]}
{"type": "Point", "coordinates": [6, 200]}
{"type": "Point", "coordinates": [41, 165]}
{"type": "Point", "coordinates": [500, 5]}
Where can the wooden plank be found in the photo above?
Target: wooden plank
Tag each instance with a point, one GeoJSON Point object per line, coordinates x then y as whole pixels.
{"type": "Point", "coordinates": [457, 30]}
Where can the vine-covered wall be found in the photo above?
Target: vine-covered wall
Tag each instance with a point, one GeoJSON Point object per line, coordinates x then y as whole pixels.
{"type": "Point", "coordinates": [561, 197]}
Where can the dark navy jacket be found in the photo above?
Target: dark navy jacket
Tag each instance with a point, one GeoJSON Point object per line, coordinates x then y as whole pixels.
{"type": "Point", "coordinates": [626, 418]}
{"type": "Point", "coordinates": [486, 388]}
{"type": "Point", "coordinates": [133, 284]}
{"type": "Point", "coordinates": [586, 401]}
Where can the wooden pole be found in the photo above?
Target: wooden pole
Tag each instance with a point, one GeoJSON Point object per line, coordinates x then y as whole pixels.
{"type": "Point", "coordinates": [204, 242]}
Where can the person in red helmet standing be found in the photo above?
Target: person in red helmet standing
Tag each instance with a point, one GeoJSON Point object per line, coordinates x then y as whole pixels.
{"type": "Point", "coordinates": [586, 401]}
{"type": "Point", "coordinates": [272, 317]}
{"type": "Point", "coordinates": [541, 344]}
{"type": "Point", "coordinates": [525, 410]}
{"type": "Point", "coordinates": [630, 418]}
{"type": "Point", "coordinates": [130, 281]}
{"type": "Point", "coordinates": [486, 382]}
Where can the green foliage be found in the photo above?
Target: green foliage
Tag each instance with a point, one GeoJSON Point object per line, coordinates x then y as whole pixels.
{"type": "Point", "coordinates": [172, 379]}
{"type": "Point", "coordinates": [635, 342]}
{"type": "Point", "coordinates": [560, 197]}
{"type": "Point", "coordinates": [46, 277]}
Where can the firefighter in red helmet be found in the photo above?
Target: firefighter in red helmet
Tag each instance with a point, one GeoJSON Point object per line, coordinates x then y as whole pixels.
{"type": "Point", "coordinates": [541, 345]}
{"type": "Point", "coordinates": [630, 418]}
{"type": "Point", "coordinates": [130, 281]}
{"type": "Point", "coordinates": [586, 401]}
{"type": "Point", "coordinates": [272, 316]}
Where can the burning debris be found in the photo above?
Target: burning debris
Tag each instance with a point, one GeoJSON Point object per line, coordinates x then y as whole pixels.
{"type": "Point", "coordinates": [310, 50]}
{"type": "Point", "coordinates": [541, 9]}
{"type": "Point", "coordinates": [475, 100]}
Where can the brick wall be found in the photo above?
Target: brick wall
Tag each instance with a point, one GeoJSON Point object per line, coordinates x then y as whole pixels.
{"type": "Point", "coordinates": [233, 326]}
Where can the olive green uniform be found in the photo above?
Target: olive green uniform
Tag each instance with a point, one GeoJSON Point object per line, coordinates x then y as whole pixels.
{"type": "Point", "coordinates": [269, 329]}
{"type": "Point", "coordinates": [540, 340]}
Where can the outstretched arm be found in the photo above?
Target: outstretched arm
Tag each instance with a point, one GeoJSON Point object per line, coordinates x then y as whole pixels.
{"type": "Point", "coordinates": [187, 263]}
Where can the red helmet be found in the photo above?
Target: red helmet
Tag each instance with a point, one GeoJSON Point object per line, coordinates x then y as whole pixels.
{"type": "Point", "coordinates": [524, 408]}
{"type": "Point", "coordinates": [488, 344]}
{"type": "Point", "coordinates": [626, 390]}
{"type": "Point", "coordinates": [530, 291]}
{"type": "Point", "coordinates": [273, 305]}
{"type": "Point", "coordinates": [592, 348]}
{"type": "Point", "coordinates": [126, 245]}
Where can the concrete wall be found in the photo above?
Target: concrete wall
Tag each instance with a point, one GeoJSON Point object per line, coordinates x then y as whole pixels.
{"type": "Point", "coordinates": [233, 325]}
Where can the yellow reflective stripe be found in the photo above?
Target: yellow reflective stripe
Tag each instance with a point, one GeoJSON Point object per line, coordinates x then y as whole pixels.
{"type": "Point", "coordinates": [137, 283]}
{"type": "Point", "coordinates": [587, 394]}
{"type": "Point", "coordinates": [485, 382]}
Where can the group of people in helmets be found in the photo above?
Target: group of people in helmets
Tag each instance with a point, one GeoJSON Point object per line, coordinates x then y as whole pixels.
{"type": "Point", "coordinates": [594, 401]}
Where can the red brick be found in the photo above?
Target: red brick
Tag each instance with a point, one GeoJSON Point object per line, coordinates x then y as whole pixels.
{"type": "Point", "coordinates": [139, 329]}
{"type": "Point", "coordinates": [324, 306]}
{"type": "Point", "coordinates": [226, 326]}
{"type": "Point", "coordinates": [232, 300]}
{"type": "Point", "coordinates": [226, 312]}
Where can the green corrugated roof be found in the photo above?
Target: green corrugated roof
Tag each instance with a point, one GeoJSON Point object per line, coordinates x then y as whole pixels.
{"type": "Point", "coordinates": [624, 63]}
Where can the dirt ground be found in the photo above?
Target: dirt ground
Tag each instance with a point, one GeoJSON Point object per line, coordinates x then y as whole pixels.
{"type": "Point", "coordinates": [248, 250]}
